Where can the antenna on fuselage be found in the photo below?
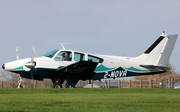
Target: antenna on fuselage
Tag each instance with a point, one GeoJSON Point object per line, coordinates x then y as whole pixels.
{"type": "Point", "coordinates": [62, 44]}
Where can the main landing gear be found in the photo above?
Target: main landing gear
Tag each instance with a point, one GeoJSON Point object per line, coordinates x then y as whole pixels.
{"type": "Point", "coordinates": [58, 83]}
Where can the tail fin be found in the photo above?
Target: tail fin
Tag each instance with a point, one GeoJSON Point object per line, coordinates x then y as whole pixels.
{"type": "Point", "coordinates": [159, 52]}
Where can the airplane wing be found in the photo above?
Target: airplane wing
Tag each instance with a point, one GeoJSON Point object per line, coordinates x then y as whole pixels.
{"type": "Point", "coordinates": [80, 70]}
{"type": "Point", "coordinates": [155, 67]}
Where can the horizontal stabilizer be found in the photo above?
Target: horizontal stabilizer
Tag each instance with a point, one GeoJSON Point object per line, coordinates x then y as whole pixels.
{"type": "Point", "coordinates": [154, 67]}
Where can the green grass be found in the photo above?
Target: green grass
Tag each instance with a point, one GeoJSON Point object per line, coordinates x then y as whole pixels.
{"type": "Point", "coordinates": [92, 100]}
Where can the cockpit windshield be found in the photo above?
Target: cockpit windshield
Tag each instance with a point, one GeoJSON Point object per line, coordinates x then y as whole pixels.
{"type": "Point", "coordinates": [51, 53]}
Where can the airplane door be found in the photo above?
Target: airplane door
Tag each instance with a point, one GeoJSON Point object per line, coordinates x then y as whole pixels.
{"type": "Point", "coordinates": [64, 58]}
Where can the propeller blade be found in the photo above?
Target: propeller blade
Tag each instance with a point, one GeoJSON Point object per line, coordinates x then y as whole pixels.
{"type": "Point", "coordinates": [32, 77]}
{"type": "Point", "coordinates": [17, 55]}
{"type": "Point", "coordinates": [32, 58]}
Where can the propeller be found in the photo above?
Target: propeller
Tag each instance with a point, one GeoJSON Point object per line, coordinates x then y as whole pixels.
{"type": "Point", "coordinates": [34, 63]}
{"type": "Point", "coordinates": [31, 65]}
{"type": "Point", "coordinates": [32, 58]}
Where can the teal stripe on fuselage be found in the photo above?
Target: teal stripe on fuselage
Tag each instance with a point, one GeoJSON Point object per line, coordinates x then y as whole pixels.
{"type": "Point", "coordinates": [18, 68]}
{"type": "Point", "coordinates": [121, 72]}
{"type": "Point", "coordinates": [102, 68]}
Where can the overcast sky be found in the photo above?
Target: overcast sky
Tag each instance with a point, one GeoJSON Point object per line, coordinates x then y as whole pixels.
{"type": "Point", "coordinates": [111, 27]}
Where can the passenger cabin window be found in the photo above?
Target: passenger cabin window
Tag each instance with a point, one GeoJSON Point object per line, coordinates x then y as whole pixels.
{"type": "Point", "coordinates": [79, 57]}
{"type": "Point", "coordinates": [94, 59]}
{"type": "Point", "coordinates": [64, 56]}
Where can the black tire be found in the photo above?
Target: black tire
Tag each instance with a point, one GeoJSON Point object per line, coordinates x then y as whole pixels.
{"type": "Point", "coordinates": [57, 85]}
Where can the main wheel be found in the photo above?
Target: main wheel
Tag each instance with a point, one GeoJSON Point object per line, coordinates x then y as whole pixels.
{"type": "Point", "coordinates": [57, 85]}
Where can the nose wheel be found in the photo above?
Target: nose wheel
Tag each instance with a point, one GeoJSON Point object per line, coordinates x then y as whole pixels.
{"type": "Point", "coordinates": [20, 82]}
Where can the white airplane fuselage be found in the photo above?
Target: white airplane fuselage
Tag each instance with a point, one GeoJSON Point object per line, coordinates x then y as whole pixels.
{"type": "Point", "coordinates": [85, 66]}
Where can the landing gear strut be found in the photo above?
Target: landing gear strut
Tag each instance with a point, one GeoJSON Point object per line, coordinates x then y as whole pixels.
{"type": "Point", "coordinates": [20, 82]}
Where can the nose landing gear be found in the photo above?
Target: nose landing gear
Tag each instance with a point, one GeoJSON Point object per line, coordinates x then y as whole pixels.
{"type": "Point", "coordinates": [20, 82]}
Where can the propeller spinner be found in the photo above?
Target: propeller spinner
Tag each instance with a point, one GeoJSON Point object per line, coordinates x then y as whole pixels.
{"type": "Point", "coordinates": [31, 65]}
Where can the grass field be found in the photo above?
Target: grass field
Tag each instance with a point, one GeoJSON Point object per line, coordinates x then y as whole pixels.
{"type": "Point", "coordinates": [91, 100]}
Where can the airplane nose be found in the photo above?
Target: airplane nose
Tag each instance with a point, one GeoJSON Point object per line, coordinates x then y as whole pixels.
{"type": "Point", "coordinates": [3, 66]}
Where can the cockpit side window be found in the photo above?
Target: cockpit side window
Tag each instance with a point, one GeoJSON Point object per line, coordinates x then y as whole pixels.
{"type": "Point", "coordinates": [79, 57]}
{"type": "Point", "coordinates": [94, 59]}
{"type": "Point", "coordinates": [51, 53]}
{"type": "Point", "coordinates": [64, 56]}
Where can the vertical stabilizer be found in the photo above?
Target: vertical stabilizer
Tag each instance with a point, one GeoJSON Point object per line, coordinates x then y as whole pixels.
{"type": "Point", "coordinates": [160, 51]}
{"type": "Point", "coordinates": [167, 50]}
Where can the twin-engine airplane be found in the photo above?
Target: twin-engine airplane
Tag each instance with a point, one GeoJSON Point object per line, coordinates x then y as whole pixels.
{"type": "Point", "coordinates": [72, 66]}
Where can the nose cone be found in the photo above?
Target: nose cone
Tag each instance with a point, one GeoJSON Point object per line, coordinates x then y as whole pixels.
{"type": "Point", "coordinates": [3, 66]}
